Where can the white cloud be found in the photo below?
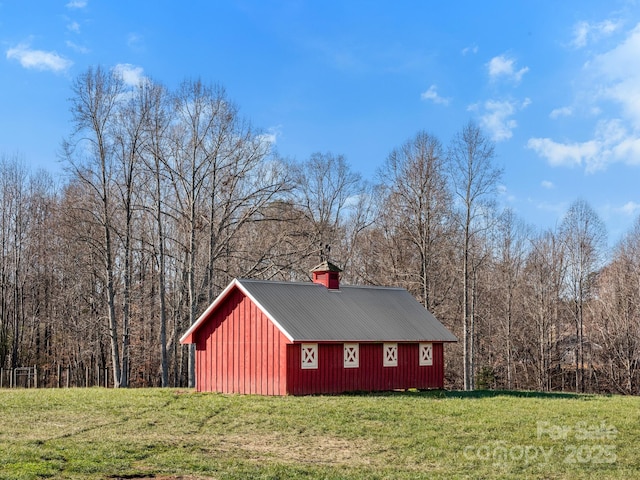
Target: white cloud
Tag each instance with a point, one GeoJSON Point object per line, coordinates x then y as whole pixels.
{"type": "Point", "coordinates": [503, 191]}
{"type": "Point", "coordinates": [432, 94]}
{"type": "Point", "coordinates": [580, 34]}
{"type": "Point", "coordinates": [271, 135]}
{"type": "Point", "coordinates": [628, 148]}
{"type": "Point", "coordinates": [618, 75]}
{"type": "Point", "coordinates": [76, 4]}
{"type": "Point", "coordinates": [561, 112]}
{"type": "Point", "coordinates": [505, 67]}
{"type": "Point", "coordinates": [38, 59]}
{"type": "Point", "coordinates": [584, 32]}
{"type": "Point", "coordinates": [74, 27]}
{"type": "Point", "coordinates": [471, 49]}
{"type": "Point", "coordinates": [135, 42]}
{"type": "Point", "coordinates": [612, 142]}
{"type": "Point", "coordinates": [495, 117]}
{"type": "Point", "coordinates": [76, 47]}
{"type": "Point", "coordinates": [630, 208]}
{"type": "Point", "coordinates": [547, 184]}
{"type": "Point", "coordinates": [269, 138]}
{"type": "Point", "coordinates": [563, 154]}
{"type": "Point", "coordinates": [131, 74]}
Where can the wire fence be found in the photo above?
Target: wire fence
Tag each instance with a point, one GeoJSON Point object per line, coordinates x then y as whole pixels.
{"type": "Point", "coordinates": [59, 376]}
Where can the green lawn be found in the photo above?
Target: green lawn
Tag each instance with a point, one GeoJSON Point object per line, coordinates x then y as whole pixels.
{"type": "Point", "coordinates": [167, 434]}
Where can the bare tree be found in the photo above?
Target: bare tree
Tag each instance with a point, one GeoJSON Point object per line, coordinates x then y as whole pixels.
{"type": "Point", "coordinates": [14, 231]}
{"type": "Point", "coordinates": [245, 179]}
{"type": "Point", "coordinates": [416, 191]}
{"type": "Point", "coordinates": [325, 187]}
{"type": "Point", "coordinates": [617, 313]}
{"type": "Point", "coordinates": [360, 215]}
{"type": "Point", "coordinates": [274, 246]}
{"type": "Point", "coordinates": [89, 154]}
{"type": "Point", "coordinates": [76, 250]}
{"type": "Point", "coordinates": [39, 267]}
{"type": "Point", "coordinates": [543, 281]}
{"type": "Point", "coordinates": [188, 168]}
{"type": "Point", "coordinates": [129, 137]}
{"type": "Point", "coordinates": [584, 236]}
{"type": "Point", "coordinates": [511, 250]}
{"type": "Point", "coordinates": [223, 174]}
{"type": "Point", "coordinates": [475, 179]}
{"type": "Point", "coordinates": [156, 154]}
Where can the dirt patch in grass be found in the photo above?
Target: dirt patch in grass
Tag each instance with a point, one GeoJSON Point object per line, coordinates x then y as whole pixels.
{"type": "Point", "coordinates": [159, 477]}
{"type": "Point", "coordinates": [318, 450]}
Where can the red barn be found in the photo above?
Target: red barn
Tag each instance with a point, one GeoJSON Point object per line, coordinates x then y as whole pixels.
{"type": "Point", "coordinates": [279, 338]}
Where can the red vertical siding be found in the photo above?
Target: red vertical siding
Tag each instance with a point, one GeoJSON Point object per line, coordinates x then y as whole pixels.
{"type": "Point", "coordinates": [371, 375]}
{"type": "Point", "coordinates": [239, 350]}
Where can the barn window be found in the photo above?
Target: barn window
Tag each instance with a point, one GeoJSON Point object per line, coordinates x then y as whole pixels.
{"type": "Point", "coordinates": [309, 355]}
{"type": "Point", "coordinates": [390, 355]}
{"type": "Point", "coordinates": [426, 354]}
{"type": "Point", "coordinates": [350, 355]}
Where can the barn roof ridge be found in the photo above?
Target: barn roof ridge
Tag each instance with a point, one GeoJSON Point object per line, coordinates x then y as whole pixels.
{"type": "Point", "coordinates": [285, 282]}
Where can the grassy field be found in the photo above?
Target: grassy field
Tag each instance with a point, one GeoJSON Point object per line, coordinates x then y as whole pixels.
{"type": "Point", "coordinates": [169, 434]}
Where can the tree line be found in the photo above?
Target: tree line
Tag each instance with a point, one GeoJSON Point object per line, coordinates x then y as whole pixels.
{"type": "Point", "coordinates": [170, 194]}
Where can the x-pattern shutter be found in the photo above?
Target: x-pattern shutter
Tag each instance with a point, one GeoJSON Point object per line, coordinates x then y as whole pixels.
{"type": "Point", "coordinates": [309, 355]}
{"type": "Point", "coordinates": [390, 354]}
{"type": "Point", "coordinates": [426, 354]}
{"type": "Point", "coordinates": [350, 355]}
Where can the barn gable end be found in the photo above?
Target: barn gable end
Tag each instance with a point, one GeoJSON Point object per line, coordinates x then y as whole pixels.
{"type": "Point", "coordinates": [240, 350]}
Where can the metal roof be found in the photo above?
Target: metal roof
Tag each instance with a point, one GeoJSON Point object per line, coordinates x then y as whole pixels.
{"type": "Point", "coordinates": [311, 312]}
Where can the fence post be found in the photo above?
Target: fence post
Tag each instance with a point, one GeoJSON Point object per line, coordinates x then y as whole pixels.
{"type": "Point", "coordinates": [86, 377]}
{"type": "Point", "coordinates": [1, 376]}
{"type": "Point", "coordinates": [68, 375]}
{"type": "Point", "coordinates": [35, 376]}
{"type": "Point", "coordinates": [59, 376]}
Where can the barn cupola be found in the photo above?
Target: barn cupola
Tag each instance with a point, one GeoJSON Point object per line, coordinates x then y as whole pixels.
{"type": "Point", "coordinates": [327, 274]}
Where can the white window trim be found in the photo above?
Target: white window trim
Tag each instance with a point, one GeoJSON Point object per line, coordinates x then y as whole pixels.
{"type": "Point", "coordinates": [351, 355]}
{"type": "Point", "coordinates": [390, 354]}
{"type": "Point", "coordinates": [309, 355]}
{"type": "Point", "coordinates": [426, 354]}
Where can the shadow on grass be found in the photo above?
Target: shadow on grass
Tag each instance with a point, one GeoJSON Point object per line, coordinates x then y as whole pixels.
{"type": "Point", "coordinates": [513, 393]}
{"type": "Point", "coordinates": [478, 394]}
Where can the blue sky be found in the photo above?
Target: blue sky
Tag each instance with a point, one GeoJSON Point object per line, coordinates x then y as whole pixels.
{"type": "Point", "coordinates": [556, 84]}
